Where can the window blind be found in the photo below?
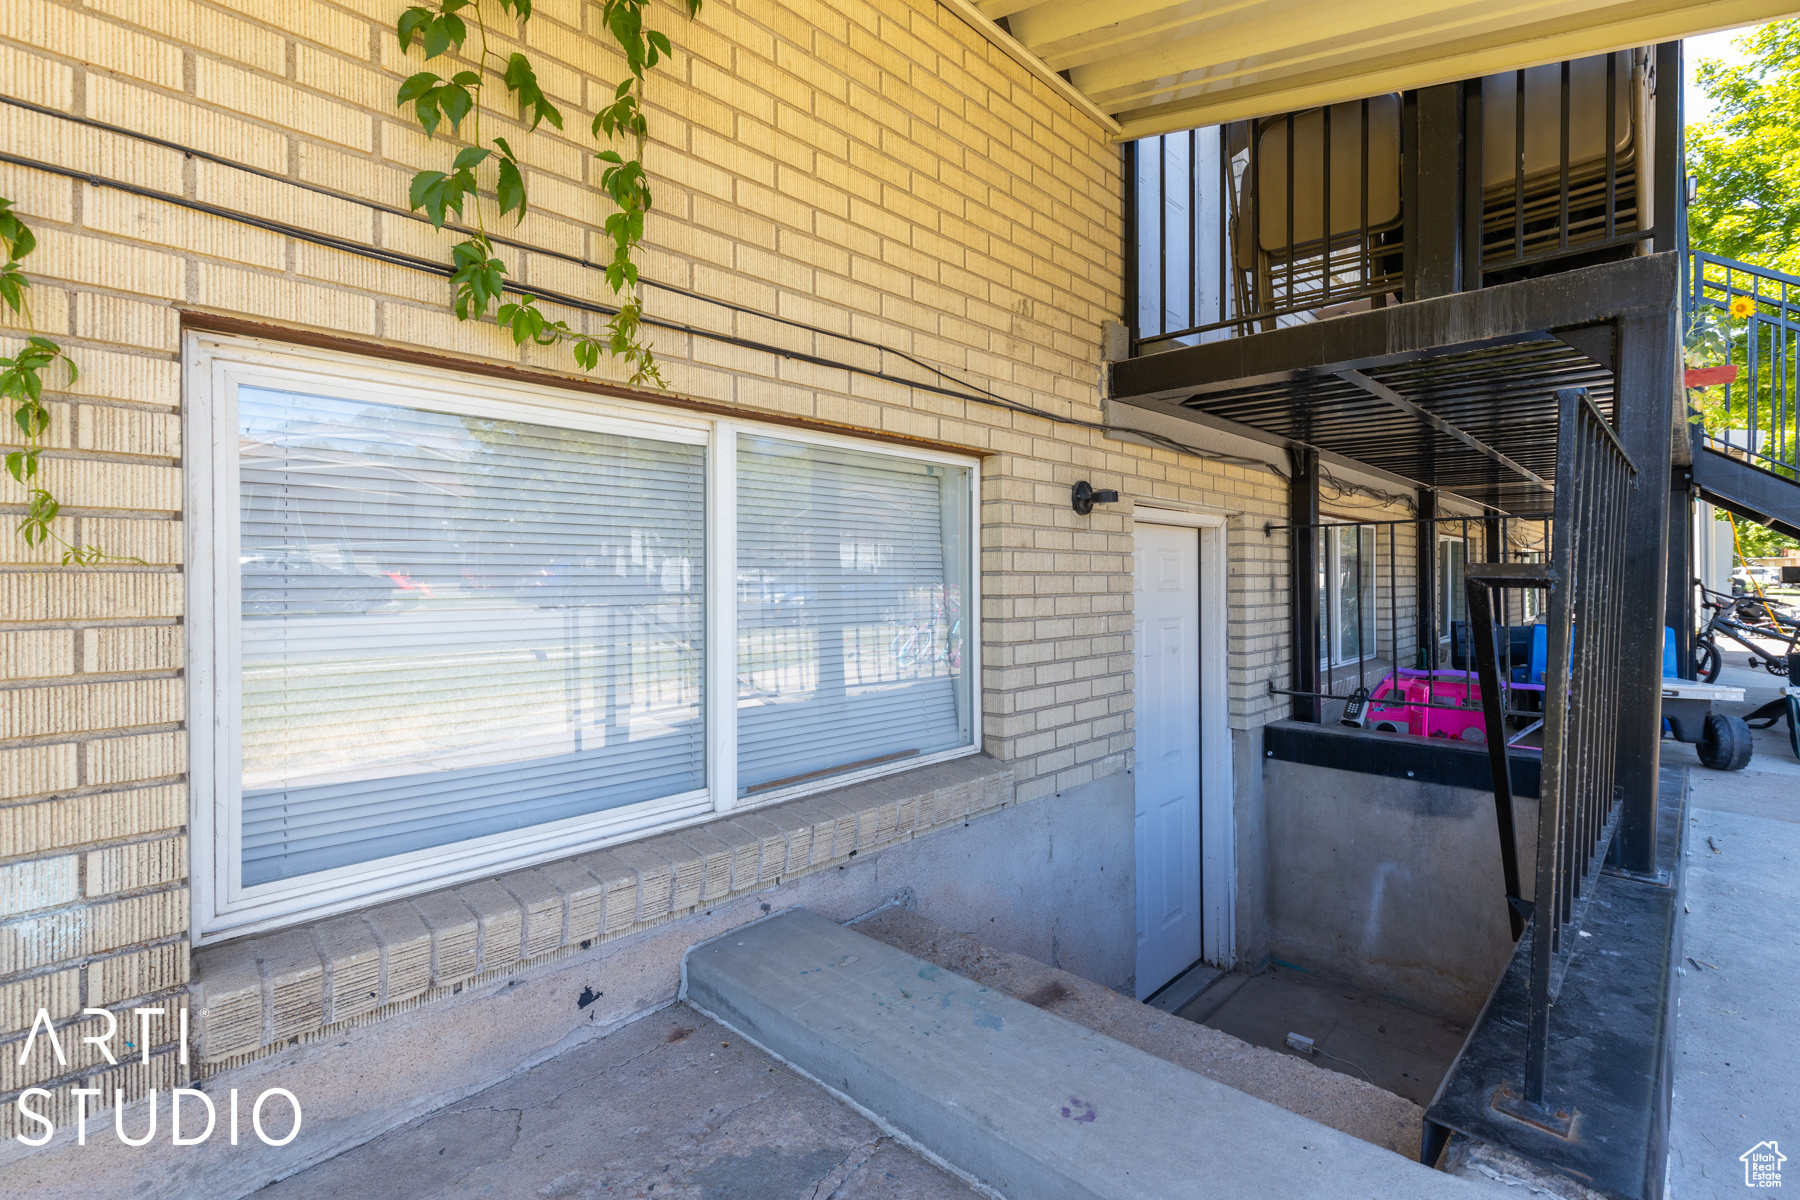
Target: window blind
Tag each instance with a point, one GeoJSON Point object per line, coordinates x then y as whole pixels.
{"type": "Point", "coordinates": [457, 626]}
{"type": "Point", "coordinates": [852, 635]}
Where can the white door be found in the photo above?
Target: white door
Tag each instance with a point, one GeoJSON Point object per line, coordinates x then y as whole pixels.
{"type": "Point", "coordinates": [1167, 625]}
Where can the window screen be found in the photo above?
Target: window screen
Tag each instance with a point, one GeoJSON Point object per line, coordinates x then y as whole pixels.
{"type": "Point", "coordinates": [456, 626]}
{"type": "Point", "coordinates": [853, 634]}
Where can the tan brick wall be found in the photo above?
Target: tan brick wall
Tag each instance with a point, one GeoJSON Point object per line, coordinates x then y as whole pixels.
{"type": "Point", "coordinates": [877, 170]}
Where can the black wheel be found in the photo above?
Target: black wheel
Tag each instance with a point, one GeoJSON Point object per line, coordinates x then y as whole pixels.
{"type": "Point", "coordinates": [1793, 715]}
{"type": "Point", "coordinates": [1707, 661]}
{"type": "Point", "coordinates": [1725, 746]}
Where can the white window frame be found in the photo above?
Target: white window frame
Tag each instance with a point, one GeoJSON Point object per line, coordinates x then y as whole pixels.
{"type": "Point", "coordinates": [1331, 595]}
{"type": "Point", "coordinates": [1452, 600]}
{"type": "Point", "coordinates": [214, 366]}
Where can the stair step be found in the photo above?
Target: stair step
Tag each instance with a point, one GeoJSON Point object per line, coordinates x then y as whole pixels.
{"type": "Point", "coordinates": [1022, 1101]}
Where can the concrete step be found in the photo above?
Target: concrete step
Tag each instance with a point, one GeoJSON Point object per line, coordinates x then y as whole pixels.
{"type": "Point", "coordinates": [1020, 1100]}
{"type": "Point", "coordinates": [1344, 1102]}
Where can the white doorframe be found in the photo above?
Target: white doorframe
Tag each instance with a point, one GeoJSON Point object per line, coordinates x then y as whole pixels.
{"type": "Point", "coordinates": [1218, 827]}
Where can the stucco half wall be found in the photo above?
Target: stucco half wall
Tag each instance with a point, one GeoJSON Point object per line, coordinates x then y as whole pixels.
{"type": "Point", "coordinates": [1393, 885]}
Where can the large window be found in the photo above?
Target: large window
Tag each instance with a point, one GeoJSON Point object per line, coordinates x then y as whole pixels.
{"type": "Point", "coordinates": [445, 626]}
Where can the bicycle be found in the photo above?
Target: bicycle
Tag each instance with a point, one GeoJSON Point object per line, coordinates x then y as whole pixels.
{"type": "Point", "coordinates": [1726, 621]}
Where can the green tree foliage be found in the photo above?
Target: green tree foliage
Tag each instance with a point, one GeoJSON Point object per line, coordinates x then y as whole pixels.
{"type": "Point", "coordinates": [1758, 541]}
{"type": "Point", "coordinates": [1746, 159]}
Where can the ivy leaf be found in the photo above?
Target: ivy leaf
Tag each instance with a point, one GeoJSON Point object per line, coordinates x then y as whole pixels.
{"type": "Point", "coordinates": [41, 509]}
{"type": "Point", "coordinates": [471, 156]}
{"type": "Point", "coordinates": [424, 186]}
{"type": "Point", "coordinates": [12, 285]}
{"type": "Point", "coordinates": [478, 279]}
{"type": "Point", "coordinates": [412, 24]}
{"type": "Point", "coordinates": [18, 237]}
{"type": "Point", "coordinates": [444, 32]}
{"type": "Point", "coordinates": [526, 321]}
{"type": "Point", "coordinates": [456, 102]}
{"type": "Point", "coordinates": [438, 193]}
{"type": "Point", "coordinates": [520, 7]}
{"type": "Point", "coordinates": [416, 86]}
{"type": "Point", "coordinates": [522, 81]}
{"type": "Point", "coordinates": [510, 188]}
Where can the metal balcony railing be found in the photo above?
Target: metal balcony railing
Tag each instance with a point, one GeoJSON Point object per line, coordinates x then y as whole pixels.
{"type": "Point", "coordinates": [1585, 702]}
{"type": "Point", "coordinates": [1388, 623]}
{"type": "Point", "coordinates": [1295, 218]}
{"type": "Point", "coordinates": [1752, 419]}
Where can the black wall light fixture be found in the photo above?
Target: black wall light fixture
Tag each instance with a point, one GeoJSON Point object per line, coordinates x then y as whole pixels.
{"type": "Point", "coordinates": [1083, 497]}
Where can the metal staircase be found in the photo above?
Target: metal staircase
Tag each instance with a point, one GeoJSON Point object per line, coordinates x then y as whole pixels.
{"type": "Point", "coordinates": [1746, 450]}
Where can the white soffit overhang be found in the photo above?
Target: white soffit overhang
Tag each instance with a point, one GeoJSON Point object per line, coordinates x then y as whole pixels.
{"type": "Point", "coordinates": [1144, 67]}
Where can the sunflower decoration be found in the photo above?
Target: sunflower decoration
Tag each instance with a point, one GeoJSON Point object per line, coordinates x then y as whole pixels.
{"type": "Point", "coordinates": [1742, 306]}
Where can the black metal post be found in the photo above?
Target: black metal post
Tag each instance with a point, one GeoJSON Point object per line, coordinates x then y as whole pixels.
{"type": "Point", "coordinates": [1493, 703]}
{"type": "Point", "coordinates": [1647, 393]}
{"type": "Point", "coordinates": [1678, 606]}
{"type": "Point", "coordinates": [1474, 182]}
{"type": "Point", "coordinates": [1434, 218]}
{"type": "Point", "coordinates": [1426, 550]}
{"type": "Point", "coordinates": [1670, 203]}
{"type": "Point", "coordinates": [1130, 252]}
{"type": "Point", "coordinates": [1303, 579]}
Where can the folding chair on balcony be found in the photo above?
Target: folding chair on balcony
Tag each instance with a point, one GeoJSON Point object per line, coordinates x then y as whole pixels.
{"type": "Point", "coordinates": [1288, 262]}
{"type": "Point", "coordinates": [1522, 216]}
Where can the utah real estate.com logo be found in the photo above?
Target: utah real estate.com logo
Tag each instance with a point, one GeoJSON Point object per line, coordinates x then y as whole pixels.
{"type": "Point", "coordinates": [1762, 1165]}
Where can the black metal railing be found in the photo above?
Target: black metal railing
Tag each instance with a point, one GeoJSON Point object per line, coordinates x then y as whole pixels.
{"type": "Point", "coordinates": [1226, 244]}
{"type": "Point", "coordinates": [1584, 706]}
{"type": "Point", "coordinates": [1289, 219]}
{"type": "Point", "coordinates": [1562, 159]}
{"type": "Point", "coordinates": [1390, 639]}
{"type": "Point", "coordinates": [1752, 418]}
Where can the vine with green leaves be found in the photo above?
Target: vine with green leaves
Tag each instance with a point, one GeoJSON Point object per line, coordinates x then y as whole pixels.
{"type": "Point", "coordinates": [22, 386]}
{"type": "Point", "coordinates": [478, 280]}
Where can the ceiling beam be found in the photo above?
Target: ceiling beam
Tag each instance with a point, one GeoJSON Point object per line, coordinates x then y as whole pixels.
{"type": "Point", "coordinates": [1382, 392]}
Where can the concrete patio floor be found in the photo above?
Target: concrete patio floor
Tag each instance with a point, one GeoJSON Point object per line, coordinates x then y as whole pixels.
{"type": "Point", "coordinates": [1737, 1062]}
{"type": "Point", "coordinates": [671, 1105]}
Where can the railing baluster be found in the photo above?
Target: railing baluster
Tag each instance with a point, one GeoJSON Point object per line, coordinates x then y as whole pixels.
{"type": "Point", "coordinates": [1324, 206]}
{"type": "Point", "coordinates": [1612, 147]}
{"type": "Point", "coordinates": [1562, 192]}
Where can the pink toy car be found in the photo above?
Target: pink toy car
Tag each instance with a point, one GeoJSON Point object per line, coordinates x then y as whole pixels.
{"type": "Point", "coordinates": [1399, 704]}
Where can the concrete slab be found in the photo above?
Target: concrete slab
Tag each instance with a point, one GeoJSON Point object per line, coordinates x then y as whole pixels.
{"type": "Point", "coordinates": [1737, 1069]}
{"type": "Point", "coordinates": [1346, 1104]}
{"type": "Point", "coordinates": [1396, 1048]}
{"type": "Point", "coordinates": [669, 1106]}
{"type": "Point", "coordinates": [1030, 1104]}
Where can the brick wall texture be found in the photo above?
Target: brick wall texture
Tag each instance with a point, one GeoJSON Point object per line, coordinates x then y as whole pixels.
{"type": "Point", "coordinates": [878, 170]}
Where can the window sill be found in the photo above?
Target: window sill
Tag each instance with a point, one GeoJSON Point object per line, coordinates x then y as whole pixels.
{"type": "Point", "coordinates": [257, 993]}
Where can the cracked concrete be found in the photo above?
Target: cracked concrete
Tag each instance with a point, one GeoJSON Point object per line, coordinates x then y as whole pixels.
{"type": "Point", "coordinates": [672, 1105]}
